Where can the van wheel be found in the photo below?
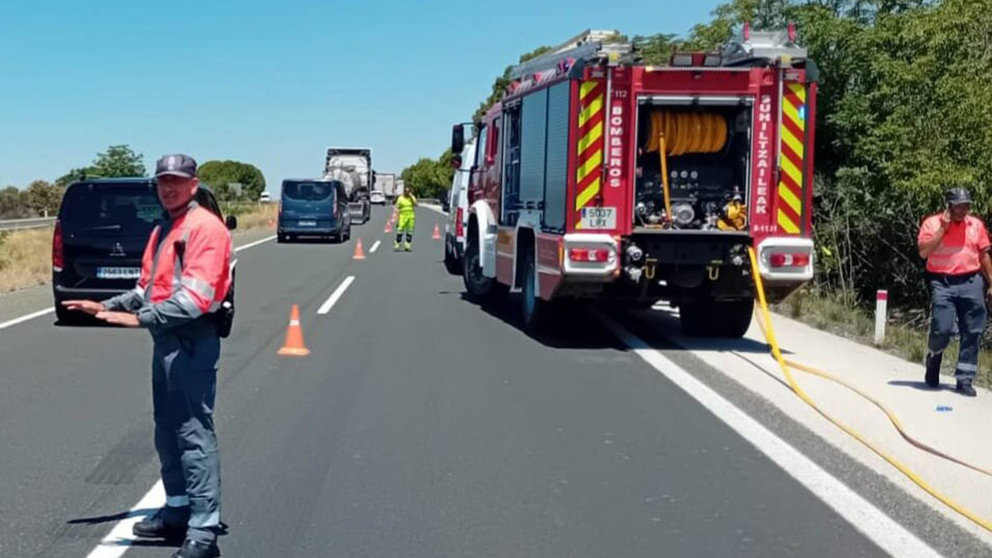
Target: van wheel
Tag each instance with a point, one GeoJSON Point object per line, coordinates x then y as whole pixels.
{"type": "Point", "coordinates": [451, 263]}
{"type": "Point", "coordinates": [479, 286]}
{"type": "Point", "coordinates": [66, 316]}
{"type": "Point", "coordinates": [707, 318]}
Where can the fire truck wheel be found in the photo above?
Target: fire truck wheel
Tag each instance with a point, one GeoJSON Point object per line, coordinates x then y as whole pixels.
{"type": "Point", "coordinates": [532, 308]}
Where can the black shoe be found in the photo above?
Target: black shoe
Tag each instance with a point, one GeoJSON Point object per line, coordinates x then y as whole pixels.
{"type": "Point", "coordinates": [167, 523]}
{"type": "Point", "coordinates": [932, 377]}
{"type": "Point", "coordinates": [197, 549]}
{"type": "Point", "coordinates": [965, 388]}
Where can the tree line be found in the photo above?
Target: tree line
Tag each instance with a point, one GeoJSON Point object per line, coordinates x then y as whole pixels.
{"type": "Point", "coordinates": [41, 197]}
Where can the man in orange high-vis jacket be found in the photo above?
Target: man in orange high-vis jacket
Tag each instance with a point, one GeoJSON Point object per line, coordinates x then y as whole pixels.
{"type": "Point", "coordinates": [956, 247]}
{"type": "Point", "coordinates": [184, 278]}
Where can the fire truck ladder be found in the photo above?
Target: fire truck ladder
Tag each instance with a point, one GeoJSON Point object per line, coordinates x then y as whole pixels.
{"type": "Point", "coordinates": [588, 46]}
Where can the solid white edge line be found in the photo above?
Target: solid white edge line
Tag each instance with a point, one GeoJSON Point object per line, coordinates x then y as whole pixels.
{"type": "Point", "coordinates": [27, 317]}
{"type": "Point", "coordinates": [333, 299]}
{"type": "Point", "coordinates": [861, 514]}
{"type": "Point", "coordinates": [40, 313]}
{"type": "Point", "coordinates": [120, 538]}
{"type": "Point", "coordinates": [375, 247]}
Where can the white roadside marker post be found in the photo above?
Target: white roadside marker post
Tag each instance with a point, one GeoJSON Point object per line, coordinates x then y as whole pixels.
{"type": "Point", "coordinates": [881, 316]}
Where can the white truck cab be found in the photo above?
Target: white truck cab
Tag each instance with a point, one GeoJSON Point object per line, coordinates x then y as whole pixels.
{"type": "Point", "coordinates": [457, 218]}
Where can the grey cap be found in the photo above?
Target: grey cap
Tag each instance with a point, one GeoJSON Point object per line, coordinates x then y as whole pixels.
{"type": "Point", "coordinates": [956, 196]}
{"type": "Point", "coordinates": [176, 165]}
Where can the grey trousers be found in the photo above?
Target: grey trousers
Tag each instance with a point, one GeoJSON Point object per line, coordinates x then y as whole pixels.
{"type": "Point", "coordinates": [184, 385]}
{"type": "Point", "coordinates": [961, 301]}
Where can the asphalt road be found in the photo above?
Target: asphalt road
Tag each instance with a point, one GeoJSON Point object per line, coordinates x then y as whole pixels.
{"type": "Point", "coordinates": [421, 425]}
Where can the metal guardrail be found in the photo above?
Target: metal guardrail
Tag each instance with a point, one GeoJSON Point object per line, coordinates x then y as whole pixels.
{"type": "Point", "coordinates": [22, 224]}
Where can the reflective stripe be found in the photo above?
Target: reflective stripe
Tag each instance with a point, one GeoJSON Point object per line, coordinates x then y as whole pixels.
{"type": "Point", "coordinates": [199, 287]}
{"type": "Point", "coordinates": [966, 367]}
{"type": "Point", "coordinates": [186, 302]}
{"type": "Point", "coordinates": [177, 501]}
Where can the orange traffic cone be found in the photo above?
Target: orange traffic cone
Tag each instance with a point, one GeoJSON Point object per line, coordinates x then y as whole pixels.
{"type": "Point", "coordinates": [359, 252]}
{"type": "Point", "coordinates": [294, 336]}
{"type": "Point", "coordinates": [437, 233]}
{"type": "Point", "coordinates": [389, 227]}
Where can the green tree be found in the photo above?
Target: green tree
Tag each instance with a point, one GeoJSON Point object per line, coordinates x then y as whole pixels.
{"type": "Point", "coordinates": [503, 81]}
{"type": "Point", "coordinates": [430, 178]}
{"type": "Point", "coordinates": [73, 175]}
{"type": "Point", "coordinates": [118, 161]}
{"type": "Point", "coordinates": [42, 197]}
{"type": "Point", "coordinates": [219, 174]}
{"type": "Point", "coordinates": [13, 204]}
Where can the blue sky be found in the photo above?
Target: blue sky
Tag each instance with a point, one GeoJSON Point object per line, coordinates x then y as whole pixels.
{"type": "Point", "coordinates": [269, 83]}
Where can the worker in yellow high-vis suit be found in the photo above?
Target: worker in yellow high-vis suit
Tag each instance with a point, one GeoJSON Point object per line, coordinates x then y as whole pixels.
{"type": "Point", "coordinates": [406, 219]}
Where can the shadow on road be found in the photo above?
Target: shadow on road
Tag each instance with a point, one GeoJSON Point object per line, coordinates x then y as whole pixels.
{"type": "Point", "coordinates": [570, 326]}
{"type": "Point", "coordinates": [144, 512]}
{"type": "Point", "coordinates": [921, 386]}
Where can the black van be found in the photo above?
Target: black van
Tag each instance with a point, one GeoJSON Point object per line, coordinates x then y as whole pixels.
{"type": "Point", "coordinates": [100, 235]}
{"type": "Point", "coordinates": [313, 208]}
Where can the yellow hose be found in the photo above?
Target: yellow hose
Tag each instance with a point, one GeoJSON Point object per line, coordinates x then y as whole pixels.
{"type": "Point", "coordinates": [687, 132]}
{"type": "Point", "coordinates": [764, 321]}
{"type": "Point", "coordinates": [664, 178]}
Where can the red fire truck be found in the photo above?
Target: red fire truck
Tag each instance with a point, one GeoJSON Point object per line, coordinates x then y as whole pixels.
{"type": "Point", "coordinates": [599, 177]}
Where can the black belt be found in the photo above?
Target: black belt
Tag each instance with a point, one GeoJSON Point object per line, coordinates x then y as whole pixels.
{"type": "Point", "coordinates": [952, 279]}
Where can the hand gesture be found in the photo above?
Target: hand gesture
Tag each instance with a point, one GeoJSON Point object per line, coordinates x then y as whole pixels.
{"type": "Point", "coordinates": [87, 306]}
{"type": "Point", "coordinates": [125, 319]}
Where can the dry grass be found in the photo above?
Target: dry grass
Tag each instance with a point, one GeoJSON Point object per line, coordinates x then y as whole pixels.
{"type": "Point", "coordinates": [26, 256]}
{"type": "Point", "coordinates": [25, 259]}
{"type": "Point", "coordinates": [829, 313]}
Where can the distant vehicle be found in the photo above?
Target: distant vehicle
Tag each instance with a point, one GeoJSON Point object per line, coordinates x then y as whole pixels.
{"type": "Point", "coordinates": [386, 183]}
{"type": "Point", "coordinates": [264, 197]}
{"type": "Point", "coordinates": [313, 208]}
{"type": "Point", "coordinates": [100, 235]}
{"type": "Point", "coordinates": [457, 202]}
{"type": "Point", "coordinates": [400, 186]}
{"type": "Point", "coordinates": [377, 197]}
{"type": "Point", "coordinates": [353, 168]}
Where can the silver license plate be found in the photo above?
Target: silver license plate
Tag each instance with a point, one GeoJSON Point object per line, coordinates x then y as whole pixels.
{"type": "Point", "coordinates": [118, 272]}
{"type": "Point", "coordinates": [308, 223]}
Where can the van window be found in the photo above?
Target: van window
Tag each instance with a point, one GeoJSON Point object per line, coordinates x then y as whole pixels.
{"type": "Point", "coordinates": [480, 151]}
{"type": "Point", "coordinates": [117, 210]}
{"type": "Point", "coordinates": [308, 191]}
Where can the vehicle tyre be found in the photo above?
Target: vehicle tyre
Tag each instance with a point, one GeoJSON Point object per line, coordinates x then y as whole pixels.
{"type": "Point", "coordinates": [63, 315]}
{"type": "Point", "coordinates": [533, 309]}
{"type": "Point", "coordinates": [280, 238]}
{"type": "Point", "coordinates": [729, 319]}
{"type": "Point", "coordinates": [451, 262]}
{"type": "Point", "coordinates": [479, 286]}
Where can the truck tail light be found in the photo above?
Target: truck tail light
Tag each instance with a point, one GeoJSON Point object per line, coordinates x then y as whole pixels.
{"type": "Point", "coordinates": [459, 226]}
{"type": "Point", "coordinates": [58, 255]}
{"type": "Point", "coordinates": [789, 260]}
{"type": "Point", "coordinates": [587, 255]}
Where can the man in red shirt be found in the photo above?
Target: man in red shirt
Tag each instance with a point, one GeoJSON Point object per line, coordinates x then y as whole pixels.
{"type": "Point", "coordinates": [185, 277]}
{"type": "Point", "coordinates": [956, 248]}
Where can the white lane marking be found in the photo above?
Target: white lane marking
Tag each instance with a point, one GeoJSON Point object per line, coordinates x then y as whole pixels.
{"type": "Point", "coordinates": [861, 514]}
{"type": "Point", "coordinates": [333, 299]}
{"type": "Point", "coordinates": [39, 313]}
{"type": "Point", "coordinates": [253, 244]}
{"type": "Point", "coordinates": [31, 316]}
{"type": "Point", "coordinates": [374, 247]}
{"type": "Point", "coordinates": [436, 208]}
{"type": "Point", "coordinates": [120, 538]}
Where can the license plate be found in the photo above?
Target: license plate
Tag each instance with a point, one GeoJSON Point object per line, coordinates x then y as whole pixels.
{"type": "Point", "coordinates": [599, 218]}
{"type": "Point", "coordinates": [118, 272]}
{"type": "Point", "coordinates": [308, 223]}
